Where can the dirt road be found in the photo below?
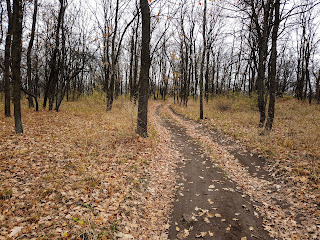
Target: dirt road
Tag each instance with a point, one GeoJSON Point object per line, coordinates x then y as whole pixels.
{"type": "Point", "coordinates": [208, 204]}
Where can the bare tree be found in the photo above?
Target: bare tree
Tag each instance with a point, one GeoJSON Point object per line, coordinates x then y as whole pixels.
{"type": "Point", "coordinates": [142, 129]}
{"type": "Point", "coordinates": [54, 70]}
{"type": "Point", "coordinates": [273, 66]}
{"type": "Point", "coordinates": [29, 77]}
{"type": "Point", "coordinates": [16, 51]}
{"type": "Point", "coordinates": [204, 23]}
{"type": "Point", "coordinates": [7, 98]}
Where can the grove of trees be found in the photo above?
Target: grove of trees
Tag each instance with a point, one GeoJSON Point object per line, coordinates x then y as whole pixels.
{"type": "Point", "coordinates": [57, 50]}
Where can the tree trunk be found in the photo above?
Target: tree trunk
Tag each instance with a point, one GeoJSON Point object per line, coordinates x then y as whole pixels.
{"type": "Point", "coordinates": [54, 71]}
{"type": "Point", "coordinates": [317, 76]}
{"type": "Point", "coordinates": [113, 63]}
{"type": "Point", "coordinates": [273, 70]}
{"type": "Point", "coordinates": [263, 51]}
{"type": "Point", "coordinates": [17, 18]}
{"type": "Point", "coordinates": [203, 56]}
{"type": "Point", "coordinates": [29, 78]}
{"type": "Point", "coordinates": [7, 98]}
{"type": "Point", "coordinates": [206, 88]}
{"type": "Point", "coordinates": [144, 72]}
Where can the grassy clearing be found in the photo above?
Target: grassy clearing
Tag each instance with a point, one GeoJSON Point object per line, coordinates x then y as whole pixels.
{"type": "Point", "coordinates": [293, 143]}
{"type": "Point", "coordinates": [80, 173]}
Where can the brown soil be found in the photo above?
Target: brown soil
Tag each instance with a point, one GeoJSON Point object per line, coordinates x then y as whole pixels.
{"type": "Point", "coordinates": [208, 204]}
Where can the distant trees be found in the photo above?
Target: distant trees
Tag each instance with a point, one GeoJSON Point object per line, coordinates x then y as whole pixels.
{"type": "Point", "coordinates": [201, 49]}
{"type": "Point", "coordinates": [307, 41]}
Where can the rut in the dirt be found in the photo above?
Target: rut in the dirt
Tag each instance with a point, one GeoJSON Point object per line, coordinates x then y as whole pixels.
{"type": "Point", "coordinates": [208, 204]}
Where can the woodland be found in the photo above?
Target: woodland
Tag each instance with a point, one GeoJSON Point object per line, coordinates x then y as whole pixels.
{"type": "Point", "coordinates": [102, 100]}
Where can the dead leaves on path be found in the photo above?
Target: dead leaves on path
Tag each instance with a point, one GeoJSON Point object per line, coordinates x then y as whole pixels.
{"type": "Point", "coordinates": [289, 211]}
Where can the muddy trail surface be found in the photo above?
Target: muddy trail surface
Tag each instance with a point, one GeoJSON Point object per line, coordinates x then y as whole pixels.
{"type": "Point", "coordinates": [208, 204]}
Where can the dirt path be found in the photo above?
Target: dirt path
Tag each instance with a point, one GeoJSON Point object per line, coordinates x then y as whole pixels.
{"type": "Point", "coordinates": [208, 204]}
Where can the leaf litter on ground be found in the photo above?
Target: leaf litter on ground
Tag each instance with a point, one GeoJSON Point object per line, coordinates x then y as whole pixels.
{"type": "Point", "coordinates": [83, 173]}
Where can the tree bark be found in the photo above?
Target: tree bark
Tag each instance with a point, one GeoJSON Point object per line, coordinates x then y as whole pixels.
{"type": "Point", "coordinates": [203, 57]}
{"type": "Point", "coordinates": [7, 98]}
{"type": "Point", "coordinates": [263, 35]}
{"type": "Point", "coordinates": [144, 71]}
{"type": "Point", "coordinates": [317, 76]}
{"type": "Point", "coordinates": [17, 18]}
{"type": "Point", "coordinates": [110, 91]}
{"type": "Point", "coordinates": [29, 78]}
{"type": "Point", "coordinates": [273, 70]}
{"type": "Point", "coordinates": [54, 71]}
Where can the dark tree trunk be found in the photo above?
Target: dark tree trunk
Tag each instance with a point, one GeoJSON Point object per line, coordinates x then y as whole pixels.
{"type": "Point", "coordinates": [17, 18]}
{"type": "Point", "coordinates": [273, 70]}
{"type": "Point", "coordinates": [131, 67]}
{"type": "Point", "coordinates": [61, 92]}
{"type": "Point", "coordinates": [308, 81]}
{"type": "Point", "coordinates": [206, 88]}
{"type": "Point", "coordinates": [203, 57]}
{"type": "Point", "coordinates": [30, 84]}
{"type": "Point", "coordinates": [7, 98]}
{"type": "Point", "coordinates": [54, 71]}
{"type": "Point", "coordinates": [263, 51]}
{"type": "Point", "coordinates": [142, 121]}
{"type": "Point", "coordinates": [110, 92]}
{"type": "Point", "coordinates": [317, 76]}
{"type": "Point", "coordinates": [196, 81]}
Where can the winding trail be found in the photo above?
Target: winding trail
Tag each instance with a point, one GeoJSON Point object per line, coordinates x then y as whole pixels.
{"type": "Point", "coordinates": [208, 204]}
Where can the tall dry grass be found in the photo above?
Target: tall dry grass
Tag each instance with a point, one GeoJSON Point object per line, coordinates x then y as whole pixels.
{"type": "Point", "coordinates": [294, 140]}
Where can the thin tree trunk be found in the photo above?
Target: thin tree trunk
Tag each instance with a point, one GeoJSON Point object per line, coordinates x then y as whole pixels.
{"type": "Point", "coordinates": [203, 57]}
{"type": "Point", "coordinates": [317, 76]}
{"type": "Point", "coordinates": [273, 70]}
{"type": "Point", "coordinates": [263, 50]}
{"type": "Point", "coordinates": [53, 77]}
{"type": "Point", "coordinates": [7, 97]}
{"type": "Point", "coordinates": [142, 129]}
{"type": "Point", "coordinates": [206, 89]}
{"type": "Point", "coordinates": [113, 62]}
{"type": "Point", "coordinates": [29, 78]}
{"type": "Point", "coordinates": [17, 18]}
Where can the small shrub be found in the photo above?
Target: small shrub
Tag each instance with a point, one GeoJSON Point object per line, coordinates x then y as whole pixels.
{"type": "Point", "coordinates": [223, 105]}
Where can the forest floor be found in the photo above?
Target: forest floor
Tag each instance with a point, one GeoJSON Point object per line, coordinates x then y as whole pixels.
{"type": "Point", "coordinates": [83, 173]}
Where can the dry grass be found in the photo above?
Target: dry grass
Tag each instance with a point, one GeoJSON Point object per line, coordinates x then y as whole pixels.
{"type": "Point", "coordinates": [81, 173]}
{"type": "Point", "coordinates": [293, 143]}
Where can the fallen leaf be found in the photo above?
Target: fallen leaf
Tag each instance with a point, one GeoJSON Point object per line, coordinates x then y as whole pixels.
{"type": "Point", "coordinates": [15, 231]}
{"type": "Point", "coordinates": [210, 215]}
{"type": "Point", "coordinates": [202, 234]}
